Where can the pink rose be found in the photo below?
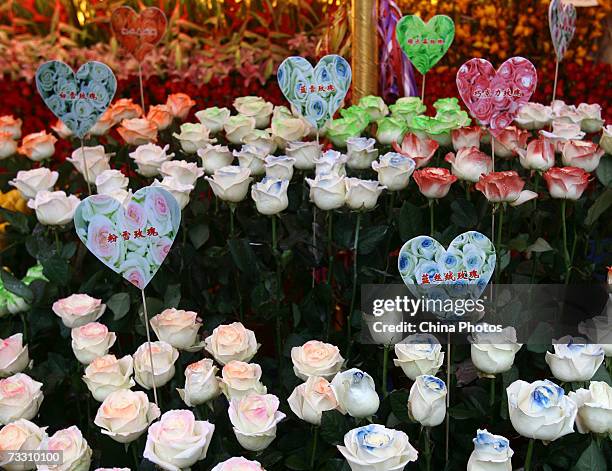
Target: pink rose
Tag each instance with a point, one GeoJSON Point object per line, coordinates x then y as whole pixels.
{"type": "Point", "coordinates": [433, 182]}
{"type": "Point", "coordinates": [160, 116]}
{"type": "Point", "coordinates": [177, 327]}
{"type": "Point", "coordinates": [239, 464]}
{"type": "Point", "coordinates": [14, 356]}
{"type": "Point", "coordinates": [106, 374]}
{"type": "Point", "coordinates": [566, 182]}
{"type": "Point", "coordinates": [420, 150]}
{"type": "Point", "coordinates": [137, 131]}
{"type": "Point", "coordinates": [124, 108]}
{"type": "Point", "coordinates": [91, 341]}
{"type": "Point", "coordinates": [11, 125]}
{"type": "Point", "coordinates": [504, 187]}
{"type": "Point", "coordinates": [469, 164]}
{"type": "Point", "coordinates": [232, 342]}
{"type": "Point", "coordinates": [466, 137]}
{"type": "Point", "coordinates": [78, 309]}
{"type": "Point", "coordinates": [254, 418]}
{"type": "Point", "coordinates": [509, 140]}
{"type": "Point", "coordinates": [100, 227]}
{"type": "Point", "coordinates": [582, 154]}
{"type": "Point", "coordinates": [540, 155]}
{"type": "Point", "coordinates": [316, 358]}
{"type": "Point", "coordinates": [20, 398]}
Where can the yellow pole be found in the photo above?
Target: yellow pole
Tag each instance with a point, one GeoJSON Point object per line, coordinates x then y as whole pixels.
{"type": "Point", "coordinates": [364, 39]}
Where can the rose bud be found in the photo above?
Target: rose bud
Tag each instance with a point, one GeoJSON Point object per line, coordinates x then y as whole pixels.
{"type": "Point", "coordinates": [427, 401]}
{"type": "Point", "coordinates": [310, 399]}
{"type": "Point", "coordinates": [419, 150]}
{"type": "Point", "coordinates": [566, 182]}
{"type": "Point", "coordinates": [201, 384]}
{"type": "Point", "coordinates": [469, 164]}
{"type": "Point", "coordinates": [356, 393]}
{"type": "Point", "coordinates": [433, 182]}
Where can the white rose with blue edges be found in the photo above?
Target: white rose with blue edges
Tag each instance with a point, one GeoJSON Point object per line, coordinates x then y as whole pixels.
{"type": "Point", "coordinates": [491, 453]}
{"type": "Point", "coordinates": [574, 359]}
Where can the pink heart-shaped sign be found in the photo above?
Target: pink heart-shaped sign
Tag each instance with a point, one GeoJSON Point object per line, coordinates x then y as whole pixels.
{"type": "Point", "coordinates": [562, 23]}
{"type": "Point", "coordinates": [494, 98]}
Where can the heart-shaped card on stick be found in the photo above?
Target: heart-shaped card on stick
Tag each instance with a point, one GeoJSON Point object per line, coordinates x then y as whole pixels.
{"type": "Point", "coordinates": [425, 43]}
{"type": "Point", "coordinates": [138, 33]}
{"type": "Point", "coordinates": [460, 272]}
{"type": "Point", "coordinates": [562, 24]}
{"type": "Point", "coordinates": [317, 93]}
{"type": "Point", "coordinates": [134, 239]}
{"type": "Point", "coordinates": [494, 98]}
{"type": "Point", "coordinates": [78, 99]}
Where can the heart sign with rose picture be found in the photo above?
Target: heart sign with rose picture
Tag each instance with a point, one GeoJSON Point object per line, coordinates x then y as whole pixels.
{"type": "Point", "coordinates": [138, 33]}
{"type": "Point", "coordinates": [562, 24]}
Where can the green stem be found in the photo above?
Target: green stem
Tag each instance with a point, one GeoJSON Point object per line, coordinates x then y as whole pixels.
{"type": "Point", "coordinates": [232, 209]}
{"type": "Point", "coordinates": [467, 191]}
{"type": "Point", "coordinates": [135, 455]}
{"type": "Point", "coordinates": [278, 317]}
{"type": "Point", "coordinates": [431, 218]}
{"type": "Point", "coordinates": [529, 455]}
{"type": "Point", "coordinates": [492, 392]}
{"type": "Point", "coordinates": [313, 453]}
{"type": "Point", "coordinates": [385, 369]}
{"type": "Point", "coordinates": [566, 256]}
{"type": "Point", "coordinates": [354, 291]}
{"type": "Point", "coordinates": [330, 270]}
{"type": "Point", "coordinates": [427, 450]}
{"type": "Point", "coordinates": [58, 246]}
{"type": "Point", "coordinates": [24, 321]}
{"type": "Point", "coordinates": [498, 243]}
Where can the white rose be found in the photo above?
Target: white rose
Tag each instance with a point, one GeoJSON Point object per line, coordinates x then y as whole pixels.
{"type": "Point", "coordinates": [215, 157]}
{"type": "Point", "coordinates": [180, 191]}
{"type": "Point", "coordinates": [30, 182]}
{"type": "Point", "coordinates": [565, 113]}
{"type": "Point", "coordinates": [598, 330]}
{"type": "Point", "coordinates": [255, 107]}
{"type": "Point", "coordinates": [177, 327]}
{"type": "Point", "coordinates": [327, 191]}
{"type": "Point", "coordinates": [594, 408]}
{"type": "Point", "coordinates": [361, 152]}
{"type": "Point", "coordinates": [574, 359]}
{"type": "Point", "coordinates": [230, 183]}
{"type": "Point", "coordinates": [8, 146]}
{"type": "Point", "coordinates": [280, 167]}
{"type": "Point", "coordinates": [563, 132]}
{"type": "Point", "coordinates": [149, 158]}
{"type": "Point", "coordinates": [106, 374]}
{"type": "Point", "coordinates": [419, 354]}
{"type": "Point", "coordinates": [362, 194]}
{"type": "Point", "coordinates": [304, 153]}
{"type": "Point", "coordinates": [164, 357]}
{"type": "Point", "coordinates": [540, 410]}
{"type": "Point", "coordinates": [213, 118]}
{"type": "Point", "coordinates": [14, 356]}
{"type": "Point", "coordinates": [331, 162]}
{"type": "Point", "coordinates": [252, 158]}
{"type": "Point", "coordinates": [236, 127]}
{"type": "Point", "coordinates": [394, 170]}
{"type": "Point", "coordinates": [125, 415]}
{"type": "Point", "coordinates": [239, 379]}
{"type": "Point", "coordinates": [78, 309]}
{"type": "Point", "coordinates": [289, 129]}
{"type": "Point", "coordinates": [261, 140]}
{"type": "Point", "coordinates": [591, 117]}
{"type": "Point", "coordinates": [21, 435]}
{"type": "Point", "coordinates": [491, 453]}
{"type": "Point", "coordinates": [193, 136]}
{"type": "Point", "coordinates": [231, 342]}
{"type": "Point", "coordinates": [533, 116]}
{"type": "Point", "coordinates": [76, 453]}
{"type": "Point", "coordinates": [20, 398]}
{"type": "Point", "coordinates": [91, 341]}
{"type": "Point", "coordinates": [377, 448]}
{"type": "Point", "coordinates": [201, 383]}
{"type": "Point", "coordinates": [356, 393]}
{"type": "Point", "coordinates": [310, 399]}
{"type": "Point", "coordinates": [254, 419]}
{"type": "Point", "coordinates": [96, 159]}
{"type": "Point", "coordinates": [238, 464]}
{"type": "Point", "coordinates": [316, 358]}
{"type": "Point", "coordinates": [54, 208]}
{"type": "Point", "coordinates": [494, 352]}
{"type": "Point", "coordinates": [427, 401]}
{"type": "Point", "coordinates": [270, 195]}
{"type": "Point", "coordinates": [110, 181]}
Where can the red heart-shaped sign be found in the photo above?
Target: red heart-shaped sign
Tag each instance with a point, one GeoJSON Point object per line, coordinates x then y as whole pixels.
{"type": "Point", "coordinates": [494, 98]}
{"type": "Point", "coordinates": [138, 32]}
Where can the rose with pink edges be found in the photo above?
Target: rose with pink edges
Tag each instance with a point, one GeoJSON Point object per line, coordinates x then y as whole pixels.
{"type": "Point", "coordinates": [134, 216]}
{"type": "Point", "coordinates": [14, 356]}
{"type": "Point", "coordinates": [91, 341]}
{"type": "Point", "coordinates": [98, 232]}
{"type": "Point", "coordinates": [254, 418]}
{"type": "Point", "coordinates": [135, 269]}
{"type": "Point", "coordinates": [239, 464]}
{"type": "Point", "coordinates": [158, 212]}
{"type": "Point", "coordinates": [159, 249]}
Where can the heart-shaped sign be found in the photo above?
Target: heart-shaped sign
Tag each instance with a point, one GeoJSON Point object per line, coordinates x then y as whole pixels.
{"type": "Point", "coordinates": [461, 271]}
{"type": "Point", "coordinates": [494, 98]}
{"type": "Point", "coordinates": [316, 93]}
{"type": "Point", "coordinates": [77, 99]}
{"type": "Point", "coordinates": [138, 32]}
{"type": "Point", "coordinates": [425, 43]}
{"type": "Point", "coordinates": [132, 240]}
{"type": "Point", "coordinates": [562, 24]}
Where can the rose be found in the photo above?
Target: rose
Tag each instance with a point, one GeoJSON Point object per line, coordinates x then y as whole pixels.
{"type": "Point", "coordinates": [509, 141]}
{"type": "Point", "coordinates": [289, 129]}
{"type": "Point", "coordinates": [504, 187]}
{"type": "Point", "coordinates": [261, 140]}
{"type": "Point", "coordinates": [103, 125]}
{"type": "Point", "coordinates": [566, 182]}
{"type": "Point", "coordinates": [137, 131]}
{"type": "Point", "coordinates": [466, 137]}
{"type": "Point", "coordinates": [491, 453]}
{"type": "Point", "coordinates": [591, 117]}
{"type": "Point", "coordinates": [160, 116]}
{"type": "Point", "coordinates": [20, 398]}
{"type": "Point", "coordinates": [255, 107]}
{"type": "Point", "coordinates": [96, 160]}
{"type": "Point", "coordinates": [177, 189]}
{"type": "Point", "coordinates": [377, 448]}
{"type": "Point", "coordinates": [434, 183]}
{"type": "Point", "coordinates": [574, 359]}
{"type": "Point", "coordinates": [30, 182]}
{"type": "Point", "coordinates": [420, 150]}
{"type": "Point", "coordinates": [606, 139]}
{"type": "Point", "coordinates": [14, 356]}
{"type": "Point", "coordinates": [201, 383]}
{"type": "Point", "coordinates": [304, 153]}
{"type": "Point", "coordinates": [125, 415]}
{"type": "Point", "coordinates": [164, 356]}
{"type": "Point", "coordinates": [374, 106]}
{"type": "Point", "coordinates": [540, 155]}
{"type": "Point", "coordinates": [124, 108]}
{"type": "Point", "coordinates": [178, 440]}
{"type": "Point", "coordinates": [427, 401]}
{"type": "Point", "coordinates": [91, 341]}
{"type": "Point", "coordinates": [594, 408]}
{"type": "Point", "coordinates": [316, 358]}
{"type": "Point", "coordinates": [186, 173]}
{"type": "Point", "coordinates": [75, 451]}
{"type": "Point", "coordinates": [78, 309]}
{"type": "Point", "coordinates": [110, 182]}
{"type": "Point", "coordinates": [11, 125]}
{"type": "Point", "coordinates": [390, 130]}
{"type": "Point", "coordinates": [533, 116]}
{"type": "Point", "coordinates": [254, 419]}
{"type": "Point", "coordinates": [279, 167]}
{"type": "Point", "coordinates": [38, 146]}
{"type": "Point", "coordinates": [361, 152]}
{"type": "Point", "coordinates": [494, 352]}
{"type": "Point", "coordinates": [356, 393]}
{"type": "Point", "coordinates": [407, 107]}
{"type": "Point", "coordinates": [540, 410]}
{"type": "Point", "coordinates": [331, 162]}
{"type": "Point", "coordinates": [193, 136]}
{"type": "Point", "coordinates": [236, 127]}
{"type": "Point", "coordinates": [21, 435]}
{"type": "Point", "coordinates": [598, 329]}
{"type": "Point", "coordinates": [327, 191]}
{"type": "Point", "coordinates": [339, 131]}
{"type": "Point", "coordinates": [394, 170]}
{"type": "Point", "coordinates": [362, 194]}
{"type": "Point", "coordinates": [177, 327]}
{"type": "Point", "coordinates": [215, 157]}
{"type": "Point", "coordinates": [239, 379]}
{"type": "Point", "coordinates": [310, 399]}
{"type": "Point", "coordinates": [149, 158]}
{"type": "Point", "coordinates": [238, 464]}
{"type": "Point", "coordinates": [8, 146]}
{"type": "Point", "coordinates": [213, 118]}
{"type": "Point", "coordinates": [231, 342]}
{"type": "Point", "coordinates": [581, 154]}
{"type": "Point", "coordinates": [179, 105]}
{"type": "Point", "coordinates": [250, 157]}
{"type": "Point", "coordinates": [469, 164]}
{"type": "Point", "coordinates": [230, 183]}
{"type": "Point", "coordinates": [419, 354]}
{"type": "Point", "coordinates": [270, 195]}
{"type": "Point", "coordinates": [562, 132]}
{"type": "Point", "coordinates": [106, 374]}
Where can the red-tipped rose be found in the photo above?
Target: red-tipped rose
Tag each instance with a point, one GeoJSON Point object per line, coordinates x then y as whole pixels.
{"type": "Point", "coordinates": [566, 182]}
{"type": "Point", "coordinates": [504, 187]}
{"type": "Point", "coordinates": [420, 150]}
{"type": "Point", "coordinates": [434, 182]}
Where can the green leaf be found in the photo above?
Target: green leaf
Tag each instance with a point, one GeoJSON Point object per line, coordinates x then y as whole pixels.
{"type": "Point", "coordinates": [297, 461]}
{"type": "Point", "coordinates": [198, 235]}
{"type": "Point", "coordinates": [464, 214]}
{"type": "Point", "coordinates": [333, 427]}
{"type": "Point", "coordinates": [592, 459]}
{"type": "Point", "coordinates": [56, 269]}
{"type": "Point", "coordinates": [172, 296]}
{"type": "Point", "coordinates": [604, 170]}
{"type": "Point", "coordinates": [18, 221]}
{"type": "Point", "coordinates": [17, 287]}
{"type": "Point", "coordinates": [601, 205]}
{"type": "Point", "coordinates": [243, 256]}
{"type": "Point", "coordinates": [119, 303]}
{"type": "Point", "coordinates": [462, 412]}
{"type": "Point", "coordinates": [411, 221]}
{"type": "Point", "coordinates": [399, 404]}
{"type": "Point", "coordinates": [370, 237]}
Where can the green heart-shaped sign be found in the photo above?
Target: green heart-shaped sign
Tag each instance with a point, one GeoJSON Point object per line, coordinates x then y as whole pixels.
{"type": "Point", "coordinates": [425, 44]}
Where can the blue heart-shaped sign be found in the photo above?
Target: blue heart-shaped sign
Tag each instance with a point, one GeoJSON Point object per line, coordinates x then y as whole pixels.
{"type": "Point", "coordinates": [317, 92]}
{"type": "Point", "coordinates": [77, 99]}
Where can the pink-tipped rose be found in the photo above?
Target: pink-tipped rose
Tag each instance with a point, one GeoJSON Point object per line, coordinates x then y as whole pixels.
{"type": "Point", "coordinates": [433, 182]}
{"type": "Point", "coordinates": [420, 150]}
{"type": "Point", "coordinates": [504, 187]}
{"type": "Point", "coordinates": [539, 155]}
{"type": "Point", "coordinates": [466, 137]}
{"type": "Point", "coordinates": [566, 182]}
{"type": "Point", "coordinates": [469, 164]}
{"type": "Point", "coordinates": [509, 140]}
{"type": "Point", "coordinates": [582, 154]}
